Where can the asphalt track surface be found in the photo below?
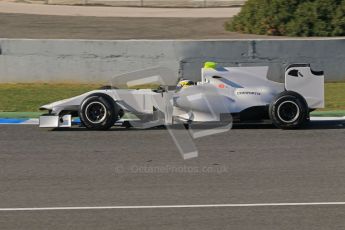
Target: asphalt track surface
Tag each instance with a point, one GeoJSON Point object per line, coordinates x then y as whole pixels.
{"type": "Point", "coordinates": [247, 165]}
{"type": "Point", "coordinates": [13, 6]}
{"type": "Point", "coordinates": [108, 28]}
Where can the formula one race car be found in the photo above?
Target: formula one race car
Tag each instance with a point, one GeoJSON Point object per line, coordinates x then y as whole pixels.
{"type": "Point", "coordinates": [242, 93]}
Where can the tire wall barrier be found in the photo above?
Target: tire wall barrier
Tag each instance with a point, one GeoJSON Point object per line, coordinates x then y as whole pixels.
{"type": "Point", "coordinates": [89, 61]}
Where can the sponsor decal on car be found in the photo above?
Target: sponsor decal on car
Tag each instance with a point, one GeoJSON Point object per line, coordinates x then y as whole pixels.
{"type": "Point", "coordinates": [248, 93]}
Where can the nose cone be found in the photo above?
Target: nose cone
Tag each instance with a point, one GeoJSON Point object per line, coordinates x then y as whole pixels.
{"type": "Point", "coordinates": [46, 107]}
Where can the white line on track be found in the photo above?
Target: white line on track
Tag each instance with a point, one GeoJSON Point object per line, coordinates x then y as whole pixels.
{"type": "Point", "coordinates": [327, 118]}
{"type": "Point", "coordinates": [173, 206]}
{"type": "Point", "coordinates": [35, 121]}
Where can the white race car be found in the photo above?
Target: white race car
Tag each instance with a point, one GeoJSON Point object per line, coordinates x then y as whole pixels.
{"type": "Point", "coordinates": [238, 93]}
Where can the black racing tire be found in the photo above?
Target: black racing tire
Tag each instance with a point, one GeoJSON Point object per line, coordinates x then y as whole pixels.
{"type": "Point", "coordinates": [289, 110]}
{"type": "Point", "coordinates": [98, 112]}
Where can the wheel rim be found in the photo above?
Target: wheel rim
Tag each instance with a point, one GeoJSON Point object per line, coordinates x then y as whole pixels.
{"type": "Point", "coordinates": [288, 111]}
{"type": "Point", "coordinates": [96, 112]}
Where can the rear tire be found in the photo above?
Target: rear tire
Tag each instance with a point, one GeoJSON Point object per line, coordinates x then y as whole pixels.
{"type": "Point", "coordinates": [98, 112]}
{"type": "Point", "coordinates": [289, 110]}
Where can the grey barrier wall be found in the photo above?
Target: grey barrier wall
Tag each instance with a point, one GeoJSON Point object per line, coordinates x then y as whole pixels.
{"type": "Point", "coordinates": [97, 61]}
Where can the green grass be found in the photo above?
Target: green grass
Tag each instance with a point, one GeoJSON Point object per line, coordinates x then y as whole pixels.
{"type": "Point", "coordinates": [21, 114]}
{"type": "Point", "coordinates": [29, 97]}
{"type": "Point", "coordinates": [335, 96]}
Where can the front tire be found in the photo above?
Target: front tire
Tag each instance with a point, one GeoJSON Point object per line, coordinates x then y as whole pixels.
{"type": "Point", "coordinates": [289, 110]}
{"type": "Point", "coordinates": [98, 112]}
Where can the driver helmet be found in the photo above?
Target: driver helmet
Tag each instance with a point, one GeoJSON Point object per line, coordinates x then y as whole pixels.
{"type": "Point", "coordinates": [184, 84]}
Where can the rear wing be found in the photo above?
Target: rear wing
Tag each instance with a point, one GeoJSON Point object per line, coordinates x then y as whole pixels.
{"type": "Point", "coordinates": [307, 82]}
